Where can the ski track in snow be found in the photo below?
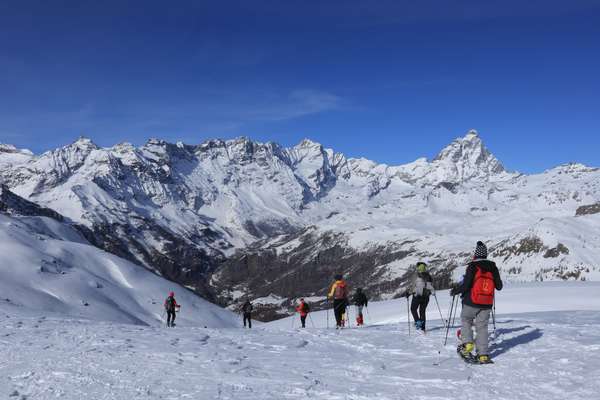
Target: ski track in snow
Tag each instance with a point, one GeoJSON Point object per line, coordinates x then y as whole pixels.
{"type": "Point", "coordinates": [547, 355]}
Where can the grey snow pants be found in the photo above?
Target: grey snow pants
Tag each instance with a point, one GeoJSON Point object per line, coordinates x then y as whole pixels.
{"type": "Point", "coordinates": [480, 318]}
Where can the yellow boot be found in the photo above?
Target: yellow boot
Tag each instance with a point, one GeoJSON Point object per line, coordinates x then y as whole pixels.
{"type": "Point", "coordinates": [466, 349]}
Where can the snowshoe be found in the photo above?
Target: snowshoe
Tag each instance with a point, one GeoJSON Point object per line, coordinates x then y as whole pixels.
{"type": "Point", "coordinates": [484, 359]}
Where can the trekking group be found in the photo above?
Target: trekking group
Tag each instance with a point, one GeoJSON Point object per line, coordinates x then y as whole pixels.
{"type": "Point", "coordinates": [476, 291]}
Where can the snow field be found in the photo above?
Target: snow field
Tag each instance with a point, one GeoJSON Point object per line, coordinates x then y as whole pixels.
{"type": "Point", "coordinates": [539, 355]}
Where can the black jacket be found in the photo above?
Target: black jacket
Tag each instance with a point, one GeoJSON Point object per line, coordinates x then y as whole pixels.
{"type": "Point", "coordinates": [464, 289]}
{"type": "Point", "coordinates": [247, 307]}
{"type": "Point", "coordinates": [360, 299]}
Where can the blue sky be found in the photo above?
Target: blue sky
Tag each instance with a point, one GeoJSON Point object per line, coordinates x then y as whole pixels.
{"type": "Point", "coordinates": [387, 80]}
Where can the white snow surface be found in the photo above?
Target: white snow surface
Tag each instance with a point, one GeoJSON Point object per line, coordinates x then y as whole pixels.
{"type": "Point", "coordinates": [545, 347]}
{"type": "Point", "coordinates": [47, 268]}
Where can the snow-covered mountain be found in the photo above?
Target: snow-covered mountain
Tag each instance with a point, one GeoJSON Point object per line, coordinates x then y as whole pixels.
{"type": "Point", "coordinates": [48, 268]}
{"type": "Point", "coordinates": [237, 217]}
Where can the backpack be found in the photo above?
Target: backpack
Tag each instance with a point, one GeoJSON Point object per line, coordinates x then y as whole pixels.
{"type": "Point", "coordinates": [306, 308]}
{"type": "Point", "coordinates": [170, 304]}
{"type": "Point", "coordinates": [483, 289]}
{"type": "Point", "coordinates": [340, 291]}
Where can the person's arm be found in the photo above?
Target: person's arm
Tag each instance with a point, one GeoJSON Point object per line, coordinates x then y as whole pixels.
{"type": "Point", "coordinates": [332, 290]}
{"type": "Point", "coordinates": [429, 283]}
{"type": "Point", "coordinates": [497, 280]}
{"type": "Point", "coordinates": [467, 282]}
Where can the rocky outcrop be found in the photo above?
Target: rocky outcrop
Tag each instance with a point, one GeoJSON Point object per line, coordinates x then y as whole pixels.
{"type": "Point", "coordinates": [588, 210]}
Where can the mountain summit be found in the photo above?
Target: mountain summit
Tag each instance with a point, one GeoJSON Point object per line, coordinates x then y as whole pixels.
{"type": "Point", "coordinates": [468, 158]}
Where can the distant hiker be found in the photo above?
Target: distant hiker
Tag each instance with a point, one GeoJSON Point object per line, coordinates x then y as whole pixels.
{"type": "Point", "coordinates": [421, 289]}
{"type": "Point", "coordinates": [171, 307]}
{"type": "Point", "coordinates": [477, 291]}
{"type": "Point", "coordinates": [247, 313]}
{"type": "Point", "coordinates": [360, 300]}
{"type": "Point", "coordinates": [339, 294]}
{"type": "Point", "coordinates": [303, 308]}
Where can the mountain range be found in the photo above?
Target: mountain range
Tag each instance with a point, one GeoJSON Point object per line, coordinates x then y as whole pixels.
{"type": "Point", "coordinates": [231, 219]}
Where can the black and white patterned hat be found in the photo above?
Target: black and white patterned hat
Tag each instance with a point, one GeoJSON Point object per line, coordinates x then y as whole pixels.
{"type": "Point", "coordinates": [481, 250]}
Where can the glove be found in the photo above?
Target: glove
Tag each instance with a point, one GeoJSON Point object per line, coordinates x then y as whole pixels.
{"type": "Point", "coordinates": [455, 291]}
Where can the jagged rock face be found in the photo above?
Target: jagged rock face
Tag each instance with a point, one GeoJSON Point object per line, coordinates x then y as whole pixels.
{"type": "Point", "coordinates": [232, 217]}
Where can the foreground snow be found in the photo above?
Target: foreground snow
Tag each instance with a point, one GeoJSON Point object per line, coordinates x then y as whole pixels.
{"type": "Point", "coordinates": [542, 355]}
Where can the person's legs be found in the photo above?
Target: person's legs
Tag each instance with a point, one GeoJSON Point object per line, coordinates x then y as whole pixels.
{"type": "Point", "coordinates": [467, 316]}
{"type": "Point", "coordinates": [170, 318]}
{"type": "Point", "coordinates": [481, 328]}
{"type": "Point", "coordinates": [248, 316]}
{"type": "Point", "coordinates": [423, 310]}
{"type": "Point", "coordinates": [338, 311]}
{"type": "Point", "coordinates": [343, 314]}
{"type": "Point", "coordinates": [414, 306]}
{"type": "Point", "coordinates": [245, 318]}
{"type": "Point", "coordinates": [303, 320]}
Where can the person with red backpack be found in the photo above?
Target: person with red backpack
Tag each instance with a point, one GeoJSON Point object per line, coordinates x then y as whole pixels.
{"type": "Point", "coordinates": [339, 293]}
{"type": "Point", "coordinates": [171, 307]}
{"type": "Point", "coordinates": [477, 290]}
{"type": "Point", "coordinates": [303, 308]}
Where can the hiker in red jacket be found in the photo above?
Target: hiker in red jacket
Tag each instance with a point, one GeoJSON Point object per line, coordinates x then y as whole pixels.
{"type": "Point", "coordinates": [171, 307]}
{"type": "Point", "coordinates": [481, 280]}
{"type": "Point", "coordinates": [303, 308]}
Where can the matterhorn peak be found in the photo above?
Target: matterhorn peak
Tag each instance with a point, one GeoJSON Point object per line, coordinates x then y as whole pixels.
{"type": "Point", "coordinates": [472, 134]}
{"type": "Point", "coordinates": [469, 158]}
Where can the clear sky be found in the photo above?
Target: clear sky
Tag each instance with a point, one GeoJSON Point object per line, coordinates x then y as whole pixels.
{"type": "Point", "coordinates": [389, 80]}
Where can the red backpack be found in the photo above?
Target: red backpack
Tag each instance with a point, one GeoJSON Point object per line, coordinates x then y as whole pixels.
{"type": "Point", "coordinates": [340, 291]}
{"type": "Point", "coordinates": [483, 289]}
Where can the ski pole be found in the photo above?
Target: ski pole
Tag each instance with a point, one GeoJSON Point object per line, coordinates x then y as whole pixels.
{"type": "Point", "coordinates": [439, 309]}
{"type": "Point", "coordinates": [408, 315]}
{"type": "Point", "coordinates": [449, 319]}
{"type": "Point", "coordinates": [327, 308]}
{"type": "Point", "coordinates": [455, 311]}
{"type": "Point", "coordinates": [311, 320]}
{"type": "Point", "coordinates": [494, 316]}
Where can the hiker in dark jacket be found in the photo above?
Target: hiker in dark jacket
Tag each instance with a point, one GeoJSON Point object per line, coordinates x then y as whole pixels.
{"type": "Point", "coordinates": [421, 289]}
{"type": "Point", "coordinates": [171, 307]}
{"type": "Point", "coordinates": [247, 313]}
{"type": "Point", "coordinates": [477, 290]}
{"type": "Point", "coordinates": [360, 300]}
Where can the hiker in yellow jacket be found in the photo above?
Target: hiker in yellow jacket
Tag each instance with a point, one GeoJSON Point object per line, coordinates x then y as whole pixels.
{"type": "Point", "coordinates": [339, 293]}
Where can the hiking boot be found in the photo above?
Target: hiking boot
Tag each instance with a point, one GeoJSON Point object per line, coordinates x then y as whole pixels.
{"type": "Point", "coordinates": [466, 349]}
{"type": "Point", "coordinates": [484, 359]}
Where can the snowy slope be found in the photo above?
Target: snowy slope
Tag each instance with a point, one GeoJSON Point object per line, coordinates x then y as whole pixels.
{"type": "Point", "coordinates": [47, 268]}
{"type": "Point", "coordinates": [539, 355]}
{"type": "Point", "coordinates": [515, 298]}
